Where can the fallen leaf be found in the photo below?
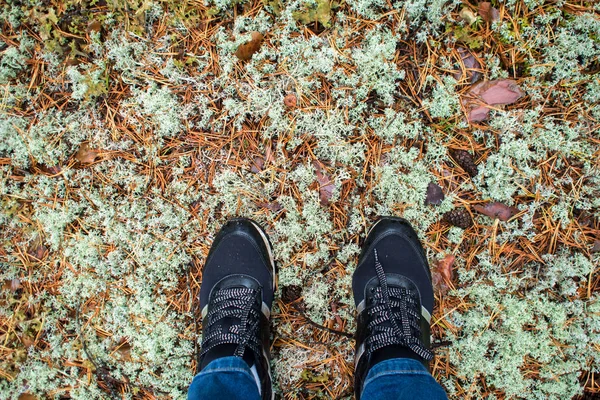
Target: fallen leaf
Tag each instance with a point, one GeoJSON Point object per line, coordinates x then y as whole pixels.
{"type": "Point", "coordinates": [497, 210]}
{"type": "Point", "coordinates": [321, 11]}
{"type": "Point", "coordinates": [257, 165]}
{"type": "Point", "coordinates": [496, 92]}
{"type": "Point", "coordinates": [247, 50]}
{"type": "Point", "coordinates": [124, 350]}
{"type": "Point", "coordinates": [273, 206]}
{"type": "Point", "coordinates": [12, 284]}
{"type": "Point", "coordinates": [442, 274]}
{"type": "Point", "coordinates": [326, 186]}
{"type": "Point", "coordinates": [487, 12]}
{"type": "Point", "coordinates": [596, 247]}
{"type": "Point", "coordinates": [435, 195]}
{"type": "Point", "coordinates": [26, 396]}
{"type": "Point", "coordinates": [36, 249]}
{"type": "Point", "coordinates": [468, 16]}
{"type": "Point", "coordinates": [471, 66]}
{"type": "Point", "coordinates": [290, 100]}
{"type": "Point", "coordinates": [269, 154]}
{"type": "Point", "coordinates": [85, 154]}
{"type": "Point", "coordinates": [479, 114]}
{"type": "Point", "coordinates": [94, 26]}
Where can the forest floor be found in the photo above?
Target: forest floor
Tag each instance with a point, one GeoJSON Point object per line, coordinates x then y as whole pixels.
{"type": "Point", "coordinates": [131, 130]}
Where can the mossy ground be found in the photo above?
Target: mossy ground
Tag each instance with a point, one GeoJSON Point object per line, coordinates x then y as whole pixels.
{"type": "Point", "coordinates": [130, 131]}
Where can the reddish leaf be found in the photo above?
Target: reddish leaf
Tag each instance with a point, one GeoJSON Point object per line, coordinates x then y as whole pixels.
{"type": "Point", "coordinates": [497, 92]}
{"type": "Point", "coordinates": [257, 165]}
{"type": "Point", "coordinates": [247, 50]}
{"type": "Point", "coordinates": [290, 100]}
{"type": "Point", "coordinates": [326, 185]}
{"type": "Point", "coordinates": [269, 154]}
{"type": "Point", "coordinates": [497, 210]}
{"type": "Point", "coordinates": [442, 273]}
{"type": "Point", "coordinates": [479, 114]}
{"type": "Point", "coordinates": [470, 63]}
{"type": "Point", "coordinates": [435, 195]}
{"type": "Point", "coordinates": [487, 12]}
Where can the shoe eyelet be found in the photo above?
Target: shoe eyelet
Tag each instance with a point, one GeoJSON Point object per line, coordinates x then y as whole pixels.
{"type": "Point", "coordinates": [372, 290]}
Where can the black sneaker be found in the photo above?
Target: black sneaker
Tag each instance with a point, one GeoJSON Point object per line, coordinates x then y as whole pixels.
{"type": "Point", "coordinates": [236, 297]}
{"type": "Point", "coordinates": [394, 298]}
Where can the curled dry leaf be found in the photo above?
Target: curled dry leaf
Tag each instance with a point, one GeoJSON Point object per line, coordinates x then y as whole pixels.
{"type": "Point", "coordinates": [496, 92]}
{"type": "Point", "coordinates": [290, 100]}
{"type": "Point", "coordinates": [247, 50]}
{"type": "Point", "coordinates": [326, 185]}
{"type": "Point", "coordinates": [12, 284]}
{"type": "Point", "coordinates": [468, 16]}
{"type": "Point", "coordinates": [442, 274]}
{"type": "Point", "coordinates": [487, 12]}
{"type": "Point", "coordinates": [435, 195]}
{"type": "Point", "coordinates": [36, 249]}
{"type": "Point", "coordinates": [497, 210]}
{"type": "Point", "coordinates": [85, 154]}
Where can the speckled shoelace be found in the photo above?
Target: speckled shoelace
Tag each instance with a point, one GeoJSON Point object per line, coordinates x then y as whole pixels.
{"type": "Point", "coordinates": [400, 327]}
{"type": "Point", "coordinates": [241, 306]}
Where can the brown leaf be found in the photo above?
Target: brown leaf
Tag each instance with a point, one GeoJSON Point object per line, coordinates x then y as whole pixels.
{"type": "Point", "coordinates": [290, 100]}
{"type": "Point", "coordinates": [124, 349]}
{"type": "Point", "coordinates": [85, 154]}
{"type": "Point", "coordinates": [36, 249]}
{"type": "Point", "coordinates": [273, 206]}
{"type": "Point", "coordinates": [596, 247]}
{"type": "Point", "coordinates": [26, 396]}
{"type": "Point", "coordinates": [326, 185]}
{"type": "Point", "coordinates": [442, 273]}
{"type": "Point", "coordinates": [94, 26]}
{"type": "Point", "coordinates": [497, 210]}
{"type": "Point", "coordinates": [12, 284]}
{"type": "Point", "coordinates": [488, 13]}
{"type": "Point", "coordinates": [247, 50]}
{"type": "Point", "coordinates": [435, 195]}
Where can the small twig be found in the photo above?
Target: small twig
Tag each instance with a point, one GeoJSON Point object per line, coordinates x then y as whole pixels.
{"type": "Point", "coordinates": [319, 326]}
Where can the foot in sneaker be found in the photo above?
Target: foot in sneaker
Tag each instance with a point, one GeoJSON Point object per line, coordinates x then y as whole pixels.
{"type": "Point", "coordinates": [236, 297]}
{"type": "Point", "coordinates": [394, 298]}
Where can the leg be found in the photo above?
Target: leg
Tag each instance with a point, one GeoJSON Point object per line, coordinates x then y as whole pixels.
{"type": "Point", "coordinates": [235, 298]}
{"type": "Point", "coordinates": [401, 378]}
{"type": "Point", "coordinates": [394, 300]}
{"type": "Point", "coordinates": [227, 378]}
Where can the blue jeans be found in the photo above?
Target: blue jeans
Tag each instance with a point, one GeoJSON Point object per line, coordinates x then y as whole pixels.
{"type": "Point", "coordinates": [395, 379]}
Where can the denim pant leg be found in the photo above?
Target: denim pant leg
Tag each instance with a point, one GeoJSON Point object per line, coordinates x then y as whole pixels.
{"type": "Point", "coordinates": [224, 378]}
{"type": "Point", "coordinates": [401, 379]}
